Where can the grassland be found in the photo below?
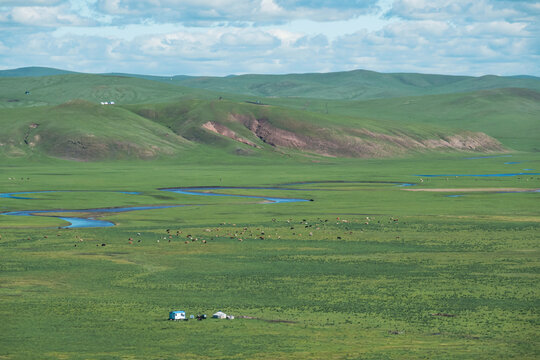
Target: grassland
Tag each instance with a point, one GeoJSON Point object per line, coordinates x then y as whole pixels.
{"type": "Point", "coordinates": [354, 288]}
{"type": "Point", "coordinates": [353, 85]}
{"type": "Point", "coordinates": [368, 270]}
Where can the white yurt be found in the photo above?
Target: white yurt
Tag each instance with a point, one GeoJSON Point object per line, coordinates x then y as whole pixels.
{"type": "Point", "coordinates": [219, 315]}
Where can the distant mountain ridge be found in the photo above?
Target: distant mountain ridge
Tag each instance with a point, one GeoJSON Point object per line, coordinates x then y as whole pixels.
{"type": "Point", "coordinates": [33, 71]}
{"type": "Point", "coordinates": [61, 115]}
{"type": "Point", "coordinates": [356, 84]}
{"type": "Point", "coordinates": [349, 85]}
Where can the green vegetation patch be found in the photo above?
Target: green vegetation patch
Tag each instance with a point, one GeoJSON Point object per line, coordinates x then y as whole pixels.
{"type": "Point", "coordinates": [366, 270]}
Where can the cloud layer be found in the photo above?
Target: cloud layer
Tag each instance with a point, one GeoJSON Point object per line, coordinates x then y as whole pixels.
{"type": "Point", "coordinates": [220, 37]}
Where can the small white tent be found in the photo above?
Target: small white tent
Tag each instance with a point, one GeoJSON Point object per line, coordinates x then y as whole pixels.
{"type": "Point", "coordinates": [219, 315]}
{"type": "Point", "coordinates": [177, 315]}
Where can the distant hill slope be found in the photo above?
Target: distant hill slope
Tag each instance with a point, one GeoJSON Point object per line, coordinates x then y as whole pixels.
{"type": "Point", "coordinates": [164, 79]}
{"type": "Point", "coordinates": [510, 115]}
{"type": "Point", "coordinates": [355, 85]}
{"type": "Point", "coordinates": [79, 130]}
{"type": "Point", "coordinates": [250, 129]}
{"type": "Point", "coordinates": [239, 124]}
{"type": "Point", "coordinates": [33, 71]}
{"type": "Point", "coordinates": [54, 90]}
{"type": "Point", "coordinates": [347, 85]}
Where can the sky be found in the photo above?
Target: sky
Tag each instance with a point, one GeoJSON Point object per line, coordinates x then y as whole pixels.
{"type": "Point", "coordinates": [223, 37]}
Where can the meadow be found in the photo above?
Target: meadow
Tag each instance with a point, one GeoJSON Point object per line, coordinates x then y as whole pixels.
{"type": "Point", "coordinates": [386, 262]}
{"type": "Point", "coordinates": [368, 270]}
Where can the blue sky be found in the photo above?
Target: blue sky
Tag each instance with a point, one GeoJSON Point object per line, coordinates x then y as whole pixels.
{"type": "Point", "coordinates": [221, 37]}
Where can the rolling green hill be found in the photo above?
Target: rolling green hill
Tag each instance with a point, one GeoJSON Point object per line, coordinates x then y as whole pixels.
{"type": "Point", "coordinates": [33, 71]}
{"type": "Point", "coordinates": [277, 128]}
{"type": "Point", "coordinates": [355, 85]}
{"type": "Point", "coordinates": [349, 85]}
{"type": "Point", "coordinates": [510, 115]}
{"type": "Point", "coordinates": [155, 118]}
{"type": "Point", "coordinates": [58, 89]}
{"type": "Point", "coordinates": [79, 130]}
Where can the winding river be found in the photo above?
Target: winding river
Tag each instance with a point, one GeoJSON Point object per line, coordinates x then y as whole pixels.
{"type": "Point", "coordinates": [82, 222]}
{"type": "Point", "coordinates": [79, 222]}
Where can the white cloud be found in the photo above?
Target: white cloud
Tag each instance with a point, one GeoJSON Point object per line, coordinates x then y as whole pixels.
{"type": "Point", "coordinates": [193, 12]}
{"type": "Point", "coordinates": [441, 36]}
{"type": "Point", "coordinates": [44, 16]}
{"type": "Point", "coordinates": [36, 17]}
{"type": "Point", "coordinates": [458, 11]}
{"type": "Point", "coordinates": [30, 2]}
{"type": "Point", "coordinates": [270, 8]}
{"type": "Point", "coordinates": [248, 40]}
{"type": "Point", "coordinates": [494, 28]}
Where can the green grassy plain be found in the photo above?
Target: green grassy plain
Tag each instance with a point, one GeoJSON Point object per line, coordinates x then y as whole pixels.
{"type": "Point", "coordinates": [368, 270]}
{"type": "Point", "coordinates": [348, 287]}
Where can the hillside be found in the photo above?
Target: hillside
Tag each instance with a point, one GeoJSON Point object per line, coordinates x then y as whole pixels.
{"type": "Point", "coordinates": [253, 128]}
{"type": "Point", "coordinates": [79, 130]}
{"type": "Point", "coordinates": [157, 118]}
{"type": "Point", "coordinates": [58, 89]}
{"type": "Point", "coordinates": [510, 115]}
{"type": "Point", "coordinates": [347, 85]}
{"type": "Point", "coordinates": [33, 71]}
{"type": "Point", "coordinates": [354, 85]}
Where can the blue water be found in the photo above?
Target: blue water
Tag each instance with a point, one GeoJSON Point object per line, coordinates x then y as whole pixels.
{"type": "Point", "coordinates": [13, 195]}
{"type": "Point", "coordinates": [201, 192]}
{"type": "Point", "coordinates": [76, 222]}
{"type": "Point", "coordinates": [85, 223]}
{"type": "Point", "coordinates": [480, 175]}
{"type": "Point", "coordinates": [454, 196]}
{"type": "Point", "coordinates": [512, 162]}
